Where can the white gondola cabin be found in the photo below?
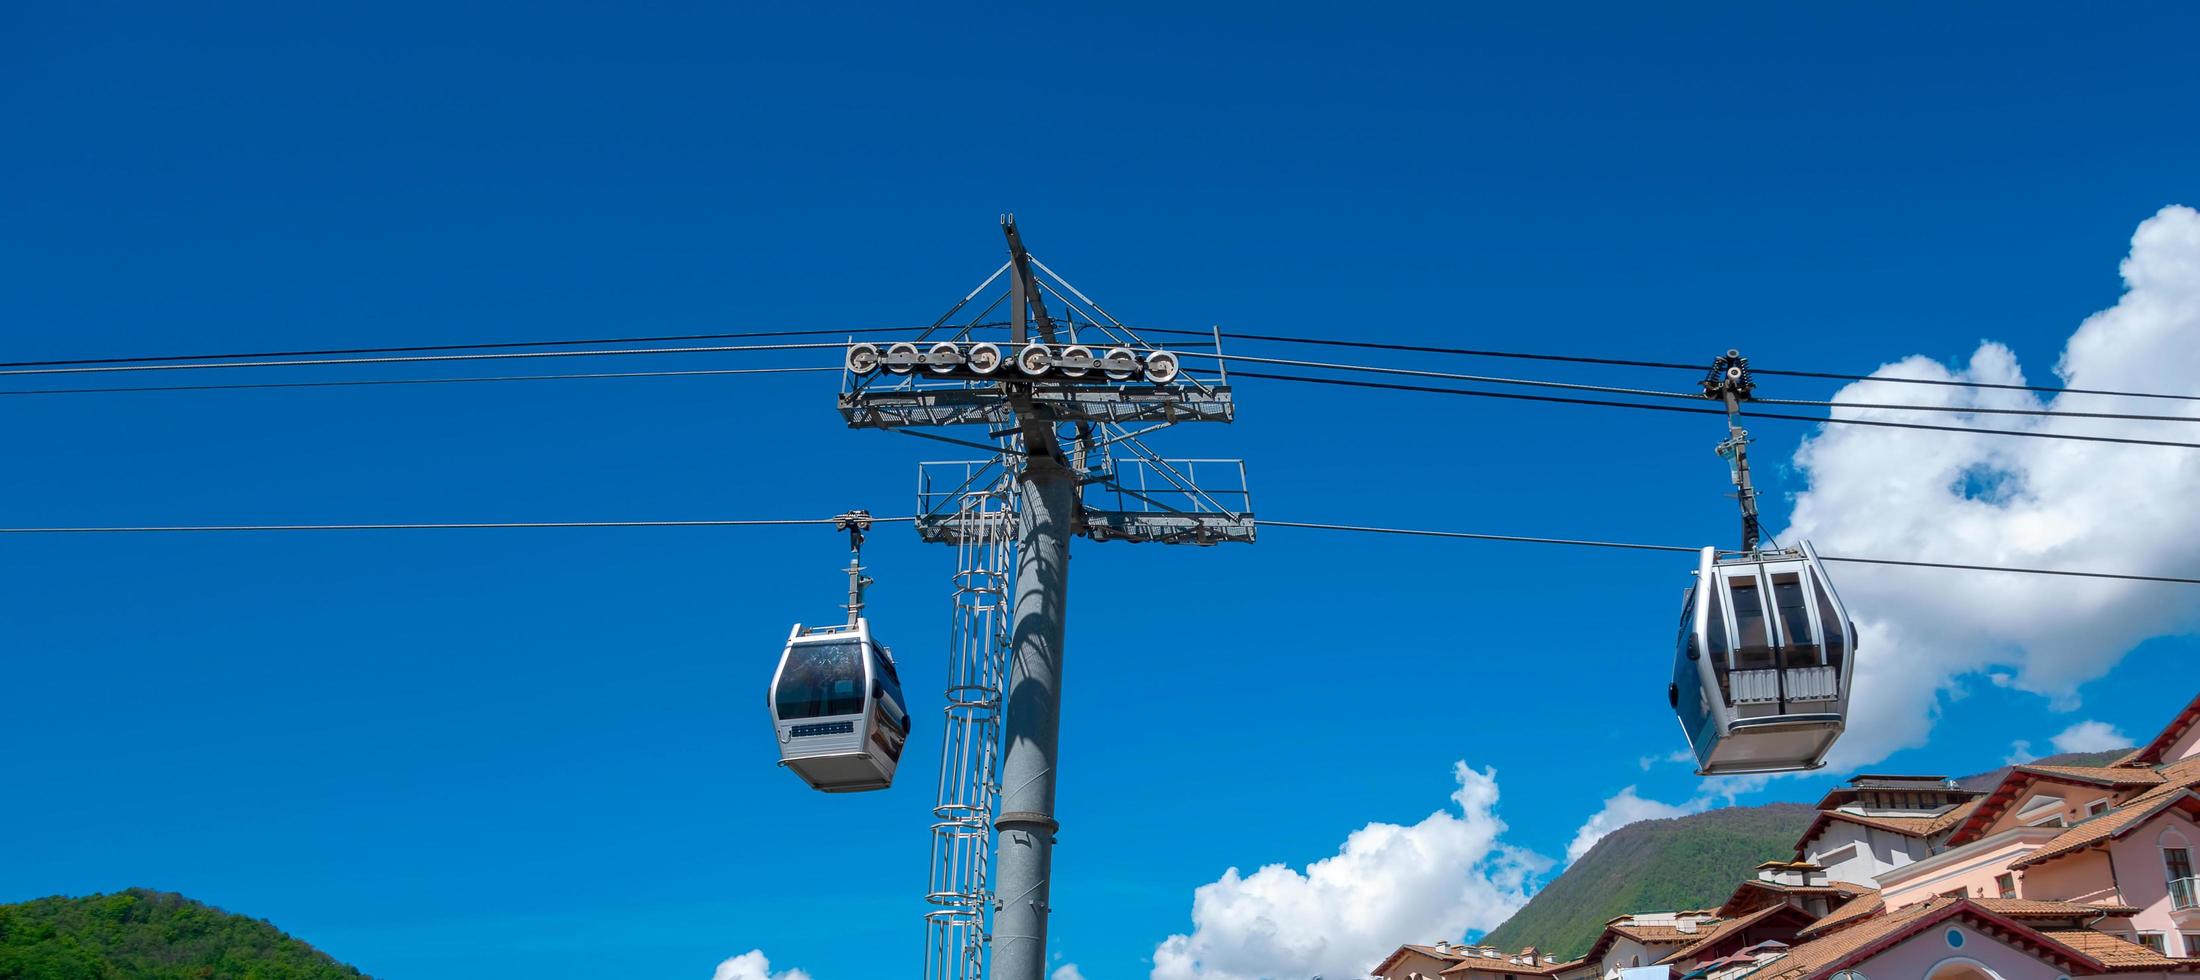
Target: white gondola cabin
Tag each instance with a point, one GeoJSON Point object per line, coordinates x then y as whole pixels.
{"type": "Point", "coordinates": [837, 709]}
{"type": "Point", "coordinates": [1765, 654]}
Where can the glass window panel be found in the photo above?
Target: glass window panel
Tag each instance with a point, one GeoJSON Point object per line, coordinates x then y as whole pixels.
{"type": "Point", "coordinates": [1717, 635]}
{"type": "Point", "coordinates": [1830, 622]}
{"type": "Point", "coordinates": [1789, 597]}
{"type": "Point", "coordinates": [1686, 642]}
{"type": "Point", "coordinates": [1753, 640]}
{"type": "Point", "coordinates": [889, 683]}
{"type": "Point", "coordinates": [821, 680]}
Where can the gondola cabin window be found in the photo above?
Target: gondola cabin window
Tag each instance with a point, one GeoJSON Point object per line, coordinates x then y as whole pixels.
{"type": "Point", "coordinates": [822, 680]}
{"type": "Point", "coordinates": [1787, 595]}
{"type": "Point", "coordinates": [1836, 637]}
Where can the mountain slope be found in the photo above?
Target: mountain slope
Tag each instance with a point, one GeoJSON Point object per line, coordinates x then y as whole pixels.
{"type": "Point", "coordinates": [151, 935]}
{"type": "Point", "coordinates": [1687, 862]}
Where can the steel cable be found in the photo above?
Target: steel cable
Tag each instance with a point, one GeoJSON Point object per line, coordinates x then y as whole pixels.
{"type": "Point", "coordinates": [1881, 423]}
{"type": "Point", "coordinates": [421, 381]}
{"type": "Point", "coordinates": [1632, 546]}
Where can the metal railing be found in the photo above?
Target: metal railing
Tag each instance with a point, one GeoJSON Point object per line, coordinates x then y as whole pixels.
{"type": "Point", "coordinates": [2184, 893]}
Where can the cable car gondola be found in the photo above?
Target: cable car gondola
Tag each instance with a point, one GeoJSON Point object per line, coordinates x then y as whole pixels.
{"type": "Point", "coordinates": [1761, 673]}
{"type": "Point", "coordinates": [835, 699]}
{"type": "Point", "coordinates": [1766, 651]}
{"type": "Point", "coordinates": [837, 708]}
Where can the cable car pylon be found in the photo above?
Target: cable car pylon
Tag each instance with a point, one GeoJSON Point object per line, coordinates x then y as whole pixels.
{"type": "Point", "coordinates": [1065, 401]}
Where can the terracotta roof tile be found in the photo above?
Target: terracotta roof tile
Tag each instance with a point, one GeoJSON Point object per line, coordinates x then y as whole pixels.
{"type": "Point", "coordinates": [1911, 826]}
{"type": "Point", "coordinates": [1656, 934]}
{"type": "Point", "coordinates": [2025, 908]}
{"type": "Point", "coordinates": [2110, 950]}
{"type": "Point", "coordinates": [2114, 823]}
{"type": "Point", "coordinates": [1443, 954]}
{"type": "Point", "coordinates": [1750, 894]}
{"type": "Point", "coordinates": [1851, 912]}
{"type": "Point", "coordinates": [1824, 953]}
{"type": "Point", "coordinates": [1906, 826]}
{"type": "Point", "coordinates": [1952, 817]}
{"type": "Point", "coordinates": [1803, 960]}
{"type": "Point", "coordinates": [1504, 964]}
{"type": "Point", "coordinates": [1643, 934]}
{"type": "Point", "coordinates": [1453, 954]}
{"type": "Point", "coordinates": [1724, 930]}
{"type": "Point", "coordinates": [2109, 775]}
{"type": "Point", "coordinates": [1990, 807]}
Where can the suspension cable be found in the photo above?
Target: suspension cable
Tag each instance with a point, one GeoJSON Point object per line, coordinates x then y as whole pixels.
{"type": "Point", "coordinates": [1664, 365]}
{"type": "Point", "coordinates": [1267, 338]}
{"type": "Point", "coordinates": [1684, 395]}
{"type": "Point", "coordinates": [429, 348]}
{"type": "Point", "coordinates": [1633, 546]}
{"type": "Point", "coordinates": [601, 352]}
{"type": "Point", "coordinates": [421, 381]}
{"type": "Point", "coordinates": [440, 526]}
{"type": "Point", "coordinates": [1309, 525]}
{"type": "Point", "coordinates": [1604, 403]}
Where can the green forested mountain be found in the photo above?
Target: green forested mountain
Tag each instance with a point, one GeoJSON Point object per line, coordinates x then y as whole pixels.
{"type": "Point", "coordinates": [148, 935]}
{"type": "Point", "coordinates": [1687, 862]}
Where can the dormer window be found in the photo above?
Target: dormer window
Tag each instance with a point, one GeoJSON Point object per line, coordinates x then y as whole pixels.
{"type": "Point", "coordinates": [2044, 810]}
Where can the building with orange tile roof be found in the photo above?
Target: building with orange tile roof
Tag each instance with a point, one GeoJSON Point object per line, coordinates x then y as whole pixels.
{"type": "Point", "coordinates": [2058, 872]}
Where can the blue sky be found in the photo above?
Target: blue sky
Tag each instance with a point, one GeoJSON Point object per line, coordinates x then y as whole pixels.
{"type": "Point", "coordinates": [544, 754]}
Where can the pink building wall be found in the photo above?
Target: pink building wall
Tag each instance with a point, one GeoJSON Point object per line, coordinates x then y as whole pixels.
{"type": "Point", "coordinates": [1922, 955]}
{"type": "Point", "coordinates": [2075, 801]}
{"type": "Point", "coordinates": [1972, 871]}
{"type": "Point", "coordinates": [2144, 881]}
{"type": "Point", "coordinates": [2077, 878]}
{"type": "Point", "coordinates": [2129, 872]}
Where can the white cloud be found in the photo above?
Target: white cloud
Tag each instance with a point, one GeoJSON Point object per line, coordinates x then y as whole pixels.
{"type": "Point", "coordinates": [1067, 971]}
{"type": "Point", "coordinates": [2091, 736]}
{"type": "Point", "coordinates": [1677, 755]}
{"type": "Point", "coordinates": [1388, 884]}
{"type": "Point", "coordinates": [753, 966]}
{"type": "Point", "coordinates": [1625, 808]}
{"type": "Point", "coordinates": [2004, 500]}
{"type": "Point", "coordinates": [2020, 752]}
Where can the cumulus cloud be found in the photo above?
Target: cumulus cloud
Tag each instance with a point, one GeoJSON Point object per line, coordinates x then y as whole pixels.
{"type": "Point", "coordinates": [1067, 971]}
{"type": "Point", "coordinates": [2016, 501]}
{"type": "Point", "coordinates": [753, 966]}
{"type": "Point", "coordinates": [1625, 808]}
{"type": "Point", "coordinates": [2091, 736]}
{"type": "Point", "coordinates": [1388, 884]}
{"type": "Point", "coordinates": [2020, 752]}
{"type": "Point", "coordinates": [1677, 755]}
